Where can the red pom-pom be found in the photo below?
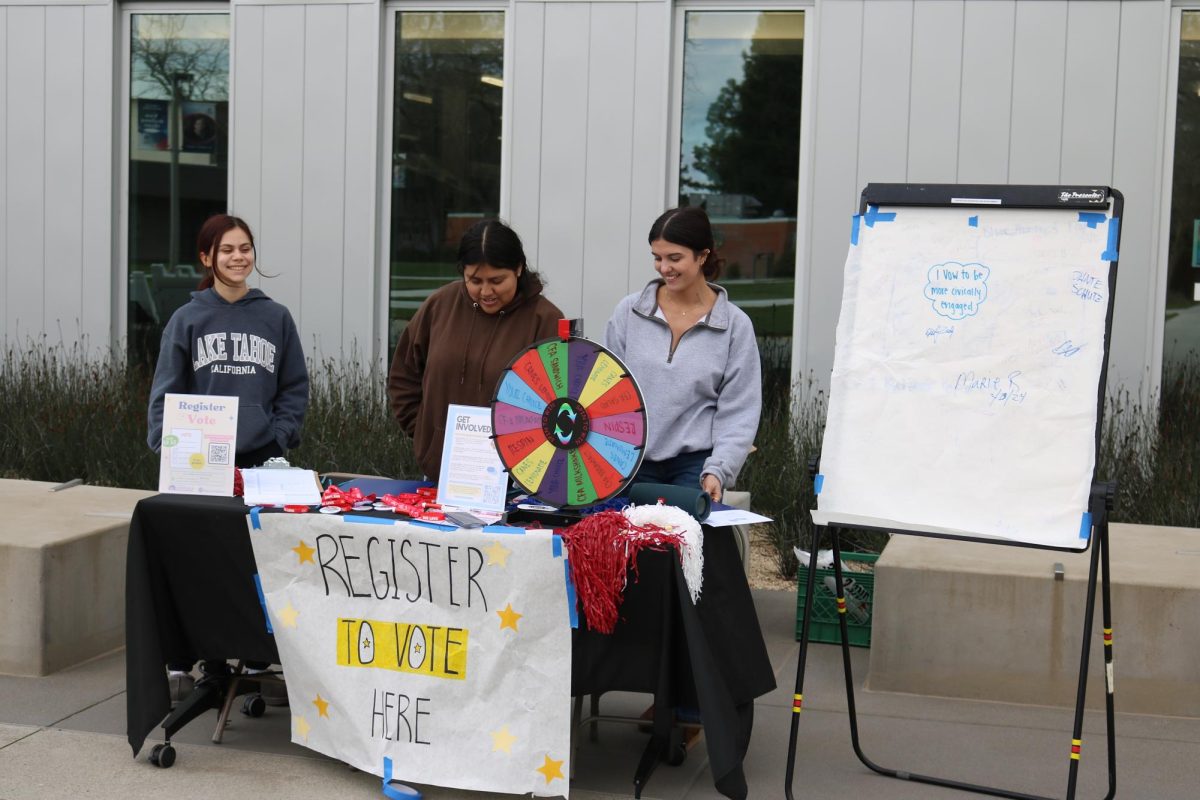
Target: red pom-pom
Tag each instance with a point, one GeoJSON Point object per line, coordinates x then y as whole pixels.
{"type": "Point", "coordinates": [603, 547]}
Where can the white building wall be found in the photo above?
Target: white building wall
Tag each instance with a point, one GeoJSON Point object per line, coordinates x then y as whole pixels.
{"type": "Point", "coordinates": [1016, 91]}
{"type": "Point", "coordinates": [56, 176]}
{"type": "Point", "coordinates": [590, 92]}
{"type": "Point", "coordinates": [305, 112]}
{"type": "Point", "coordinates": [987, 91]}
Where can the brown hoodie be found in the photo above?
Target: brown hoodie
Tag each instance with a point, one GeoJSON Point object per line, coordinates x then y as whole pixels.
{"type": "Point", "coordinates": [454, 352]}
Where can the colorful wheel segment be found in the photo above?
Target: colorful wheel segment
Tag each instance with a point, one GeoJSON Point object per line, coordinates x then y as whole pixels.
{"type": "Point", "coordinates": [569, 423]}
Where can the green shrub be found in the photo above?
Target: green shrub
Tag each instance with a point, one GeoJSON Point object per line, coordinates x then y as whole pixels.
{"type": "Point", "coordinates": [67, 414]}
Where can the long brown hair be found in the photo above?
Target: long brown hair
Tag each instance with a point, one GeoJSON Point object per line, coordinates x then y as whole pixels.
{"type": "Point", "coordinates": [209, 239]}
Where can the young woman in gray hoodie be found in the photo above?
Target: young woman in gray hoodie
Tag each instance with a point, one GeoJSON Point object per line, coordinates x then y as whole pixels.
{"type": "Point", "coordinates": [232, 340]}
{"type": "Point", "coordinates": [694, 355]}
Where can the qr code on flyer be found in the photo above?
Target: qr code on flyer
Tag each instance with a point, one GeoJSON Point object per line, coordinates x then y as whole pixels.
{"type": "Point", "coordinates": [218, 453]}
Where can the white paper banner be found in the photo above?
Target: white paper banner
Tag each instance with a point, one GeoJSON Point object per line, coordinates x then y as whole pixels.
{"type": "Point", "coordinates": [448, 652]}
{"type": "Point", "coordinates": [966, 373]}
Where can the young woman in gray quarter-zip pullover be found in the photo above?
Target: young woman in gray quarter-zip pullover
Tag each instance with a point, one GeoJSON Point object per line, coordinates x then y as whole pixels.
{"type": "Point", "coordinates": [694, 355]}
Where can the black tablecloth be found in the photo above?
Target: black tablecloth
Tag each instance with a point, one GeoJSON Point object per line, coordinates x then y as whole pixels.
{"type": "Point", "coordinates": [190, 593]}
{"type": "Point", "coordinates": [709, 656]}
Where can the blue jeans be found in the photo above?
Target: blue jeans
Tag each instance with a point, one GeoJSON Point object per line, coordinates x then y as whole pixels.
{"type": "Point", "coordinates": [681, 470]}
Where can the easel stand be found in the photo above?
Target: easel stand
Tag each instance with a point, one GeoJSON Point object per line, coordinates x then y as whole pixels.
{"type": "Point", "coordinates": [1101, 502]}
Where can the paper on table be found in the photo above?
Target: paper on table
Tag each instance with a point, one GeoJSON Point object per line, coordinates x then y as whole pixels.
{"type": "Point", "coordinates": [725, 517]}
{"type": "Point", "coordinates": [274, 486]}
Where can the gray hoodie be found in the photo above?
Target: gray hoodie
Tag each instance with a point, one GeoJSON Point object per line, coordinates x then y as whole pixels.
{"type": "Point", "coordinates": [249, 349]}
{"type": "Point", "coordinates": [707, 393]}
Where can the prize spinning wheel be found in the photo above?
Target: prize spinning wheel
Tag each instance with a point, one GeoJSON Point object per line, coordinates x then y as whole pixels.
{"type": "Point", "coordinates": [569, 422]}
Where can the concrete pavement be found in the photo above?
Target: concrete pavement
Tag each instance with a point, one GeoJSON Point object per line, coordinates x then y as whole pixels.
{"type": "Point", "coordinates": [63, 735]}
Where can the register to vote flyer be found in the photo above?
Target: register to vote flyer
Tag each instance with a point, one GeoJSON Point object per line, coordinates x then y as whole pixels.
{"type": "Point", "coordinates": [198, 443]}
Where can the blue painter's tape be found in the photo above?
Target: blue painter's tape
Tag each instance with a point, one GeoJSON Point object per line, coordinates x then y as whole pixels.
{"type": "Point", "coordinates": [875, 215]}
{"type": "Point", "coordinates": [1085, 526]}
{"type": "Point", "coordinates": [571, 601]}
{"type": "Point", "coordinates": [394, 789]}
{"type": "Point", "coordinates": [254, 523]}
{"type": "Point", "coordinates": [365, 520]}
{"type": "Point", "coordinates": [503, 529]}
{"type": "Point", "coordinates": [854, 222]}
{"type": "Point", "coordinates": [437, 526]}
{"type": "Point", "coordinates": [818, 482]}
{"type": "Point", "coordinates": [1091, 218]}
{"type": "Point", "coordinates": [262, 601]}
{"type": "Point", "coordinates": [973, 222]}
{"type": "Point", "coordinates": [1114, 233]}
{"type": "Point", "coordinates": [557, 545]}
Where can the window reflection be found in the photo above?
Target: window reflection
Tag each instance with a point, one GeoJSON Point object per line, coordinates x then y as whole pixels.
{"type": "Point", "coordinates": [447, 115]}
{"type": "Point", "coordinates": [178, 160]}
{"type": "Point", "coordinates": [1181, 329]}
{"type": "Point", "coordinates": [740, 153]}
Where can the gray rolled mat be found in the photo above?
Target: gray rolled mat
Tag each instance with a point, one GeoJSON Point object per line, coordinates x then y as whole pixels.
{"type": "Point", "coordinates": [693, 501]}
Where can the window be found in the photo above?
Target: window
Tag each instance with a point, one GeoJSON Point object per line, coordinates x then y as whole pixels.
{"type": "Point", "coordinates": [739, 154]}
{"type": "Point", "coordinates": [447, 117]}
{"type": "Point", "coordinates": [1181, 328]}
{"type": "Point", "coordinates": [178, 161]}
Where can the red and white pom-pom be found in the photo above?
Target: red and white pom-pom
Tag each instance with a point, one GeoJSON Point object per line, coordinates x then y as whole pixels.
{"type": "Point", "coordinates": [603, 548]}
{"type": "Point", "coordinates": [676, 520]}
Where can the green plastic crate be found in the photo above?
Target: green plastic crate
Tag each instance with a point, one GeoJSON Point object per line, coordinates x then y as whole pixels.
{"type": "Point", "coordinates": [824, 627]}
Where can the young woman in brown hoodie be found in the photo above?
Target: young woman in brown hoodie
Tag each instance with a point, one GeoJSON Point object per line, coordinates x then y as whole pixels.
{"type": "Point", "coordinates": [464, 335]}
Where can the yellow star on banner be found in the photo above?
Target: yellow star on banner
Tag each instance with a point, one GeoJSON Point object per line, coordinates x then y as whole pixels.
{"type": "Point", "coordinates": [551, 769]}
{"type": "Point", "coordinates": [322, 706]}
{"type": "Point", "coordinates": [508, 617]}
{"type": "Point", "coordinates": [302, 729]}
{"type": "Point", "coordinates": [304, 552]}
{"type": "Point", "coordinates": [498, 554]}
{"type": "Point", "coordinates": [503, 740]}
{"type": "Point", "coordinates": [288, 615]}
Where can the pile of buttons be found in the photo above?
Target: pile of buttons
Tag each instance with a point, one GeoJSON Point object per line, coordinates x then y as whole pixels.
{"type": "Point", "coordinates": [420, 504]}
{"type": "Point", "coordinates": [335, 501]}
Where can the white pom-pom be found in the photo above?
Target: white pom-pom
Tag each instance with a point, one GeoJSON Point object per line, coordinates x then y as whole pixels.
{"type": "Point", "coordinates": [676, 520]}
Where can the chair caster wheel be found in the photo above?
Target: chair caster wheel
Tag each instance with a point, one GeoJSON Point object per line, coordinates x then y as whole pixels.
{"type": "Point", "coordinates": [676, 751]}
{"type": "Point", "coordinates": [162, 756]}
{"type": "Point", "coordinates": [253, 705]}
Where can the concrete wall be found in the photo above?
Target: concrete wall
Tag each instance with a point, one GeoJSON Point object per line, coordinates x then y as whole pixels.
{"type": "Point", "coordinates": [963, 619]}
{"type": "Point", "coordinates": [62, 567]}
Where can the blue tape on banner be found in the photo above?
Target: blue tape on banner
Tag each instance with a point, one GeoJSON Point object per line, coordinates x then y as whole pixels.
{"type": "Point", "coordinates": [557, 545]}
{"type": "Point", "coordinates": [973, 222]}
{"type": "Point", "coordinates": [420, 523]}
{"type": "Point", "coordinates": [571, 602]}
{"type": "Point", "coordinates": [254, 523]}
{"type": "Point", "coordinates": [365, 520]}
{"type": "Point", "coordinates": [854, 221]}
{"type": "Point", "coordinates": [1091, 218]}
{"type": "Point", "coordinates": [503, 529]}
{"type": "Point", "coordinates": [262, 601]}
{"type": "Point", "coordinates": [875, 215]}
{"type": "Point", "coordinates": [1085, 526]}
{"type": "Point", "coordinates": [1114, 233]}
{"type": "Point", "coordinates": [818, 482]}
{"type": "Point", "coordinates": [394, 789]}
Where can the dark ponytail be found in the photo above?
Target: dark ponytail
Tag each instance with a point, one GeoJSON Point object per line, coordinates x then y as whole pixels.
{"type": "Point", "coordinates": [493, 243]}
{"type": "Point", "coordinates": [689, 227]}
